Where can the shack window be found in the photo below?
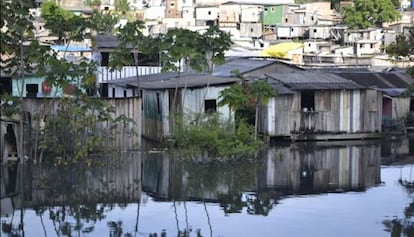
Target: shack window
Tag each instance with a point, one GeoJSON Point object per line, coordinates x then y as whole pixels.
{"type": "Point", "coordinates": [113, 92]}
{"type": "Point", "coordinates": [32, 90]}
{"type": "Point", "coordinates": [307, 100]}
{"type": "Point", "coordinates": [412, 105]}
{"type": "Point", "coordinates": [210, 106]}
{"type": "Point", "coordinates": [125, 93]}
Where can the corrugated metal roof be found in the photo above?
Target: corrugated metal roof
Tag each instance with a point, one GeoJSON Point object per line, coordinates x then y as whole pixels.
{"type": "Point", "coordinates": [378, 79]}
{"type": "Point", "coordinates": [169, 80]}
{"type": "Point", "coordinates": [243, 65]}
{"type": "Point", "coordinates": [106, 41]}
{"type": "Point", "coordinates": [281, 90]}
{"type": "Point", "coordinates": [314, 81]}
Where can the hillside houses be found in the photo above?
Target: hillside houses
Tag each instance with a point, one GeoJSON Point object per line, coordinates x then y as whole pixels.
{"type": "Point", "coordinates": [256, 25]}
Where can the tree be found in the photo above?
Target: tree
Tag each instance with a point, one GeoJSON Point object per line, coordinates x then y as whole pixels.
{"type": "Point", "coordinates": [245, 97]}
{"type": "Point", "coordinates": [403, 45]}
{"type": "Point", "coordinates": [102, 22]}
{"type": "Point", "coordinates": [186, 50]}
{"type": "Point", "coordinates": [131, 40]}
{"type": "Point", "coordinates": [19, 52]}
{"type": "Point", "coordinates": [73, 131]}
{"type": "Point", "coordinates": [367, 13]}
{"type": "Point", "coordinates": [214, 42]}
{"type": "Point", "coordinates": [122, 7]}
{"type": "Point", "coordinates": [62, 22]}
{"type": "Point", "coordinates": [93, 3]}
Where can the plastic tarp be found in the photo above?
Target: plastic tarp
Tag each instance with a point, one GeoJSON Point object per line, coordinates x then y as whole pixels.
{"type": "Point", "coordinates": [280, 50]}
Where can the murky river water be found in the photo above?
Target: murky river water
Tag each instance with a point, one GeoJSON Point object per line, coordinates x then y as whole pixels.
{"type": "Point", "coordinates": [324, 189]}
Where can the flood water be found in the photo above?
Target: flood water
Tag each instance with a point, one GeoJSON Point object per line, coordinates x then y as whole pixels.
{"type": "Point", "coordinates": [323, 189]}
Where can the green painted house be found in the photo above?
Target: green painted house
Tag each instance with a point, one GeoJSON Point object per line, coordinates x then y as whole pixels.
{"type": "Point", "coordinates": [276, 14]}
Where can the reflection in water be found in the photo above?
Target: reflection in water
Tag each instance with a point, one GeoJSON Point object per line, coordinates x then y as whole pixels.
{"type": "Point", "coordinates": [74, 198]}
{"type": "Point", "coordinates": [107, 199]}
{"type": "Point", "coordinates": [309, 168]}
{"type": "Point", "coordinates": [403, 226]}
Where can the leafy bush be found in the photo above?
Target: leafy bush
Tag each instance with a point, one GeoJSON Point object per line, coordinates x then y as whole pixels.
{"type": "Point", "coordinates": [79, 128]}
{"type": "Point", "coordinates": [204, 136]}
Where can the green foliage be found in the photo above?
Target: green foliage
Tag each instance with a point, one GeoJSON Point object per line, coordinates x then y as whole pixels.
{"type": "Point", "coordinates": [206, 136]}
{"type": "Point", "coordinates": [78, 129]}
{"type": "Point", "coordinates": [410, 71]}
{"type": "Point", "coordinates": [62, 23]}
{"type": "Point", "coordinates": [410, 88]}
{"type": "Point", "coordinates": [403, 46]}
{"type": "Point", "coordinates": [93, 2]}
{"type": "Point", "coordinates": [194, 49]}
{"type": "Point", "coordinates": [103, 23]}
{"type": "Point", "coordinates": [367, 13]}
{"type": "Point", "coordinates": [20, 51]}
{"type": "Point", "coordinates": [244, 98]}
{"type": "Point", "coordinates": [122, 6]}
{"type": "Point", "coordinates": [215, 42]}
{"type": "Point", "coordinates": [131, 40]}
{"type": "Point", "coordinates": [180, 45]}
{"type": "Point", "coordinates": [9, 106]}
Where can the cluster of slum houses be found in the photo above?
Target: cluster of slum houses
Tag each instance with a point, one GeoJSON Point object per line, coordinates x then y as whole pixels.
{"type": "Point", "coordinates": [327, 87]}
{"type": "Point", "coordinates": [312, 104]}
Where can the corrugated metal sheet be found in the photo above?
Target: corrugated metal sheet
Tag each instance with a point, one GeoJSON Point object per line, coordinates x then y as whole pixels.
{"type": "Point", "coordinates": [378, 79]}
{"type": "Point", "coordinates": [171, 80]}
{"type": "Point", "coordinates": [242, 65]}
{"type": "Point", "coordinates": [314, 81]}
{"type": "Point", "coordinates": [106, 41]}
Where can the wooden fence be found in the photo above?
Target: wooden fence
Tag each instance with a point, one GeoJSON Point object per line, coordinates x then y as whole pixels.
{"type": "Point", "coordinates": [125, 138]}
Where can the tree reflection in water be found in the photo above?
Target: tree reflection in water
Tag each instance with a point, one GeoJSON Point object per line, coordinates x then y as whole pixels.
{"type": "Point", "coordinates": [87, 201]}
{"type": "Point", "coordinates": [399, 227]}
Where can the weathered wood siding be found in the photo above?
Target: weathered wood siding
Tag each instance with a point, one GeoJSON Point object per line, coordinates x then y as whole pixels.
{"type": "Point", "coordinates": [193, 100]}
{"type": "Point", "coordinates": [400, 107]}
{"type": "Point", "coordinates": [336, 111]}
{"type": "Point", "coordinates": [371, 110]}
{"type": "Point", "coordinates": [123, 139]}
{"type": "Point", "coordinates": [155, 122]}
{"type": "Point", "coordinates": [157, 105]}
{"type": "Point", "coordinates": [131, 108]}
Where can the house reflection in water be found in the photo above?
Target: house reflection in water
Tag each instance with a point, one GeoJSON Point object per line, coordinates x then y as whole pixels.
{"type": "Point", "coordinates": [315, 168]}
{"type": "Point", "coordinates": [300, 168]}
{"type": "Point", "coordinates": [115, 180]}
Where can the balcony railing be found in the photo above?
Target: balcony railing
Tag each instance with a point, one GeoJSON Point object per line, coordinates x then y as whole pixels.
{"type": "Point", "coordinates": [104, 74]}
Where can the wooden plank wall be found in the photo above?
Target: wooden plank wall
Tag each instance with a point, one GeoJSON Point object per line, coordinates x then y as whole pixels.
{"type": "Point", "coordinates": [123, 139]}
{"type": "Point", "coordinates": [350, 111]}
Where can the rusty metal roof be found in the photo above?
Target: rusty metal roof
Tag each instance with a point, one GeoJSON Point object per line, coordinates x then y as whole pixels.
{"type": "Point", "coordinates": [314, 81]}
